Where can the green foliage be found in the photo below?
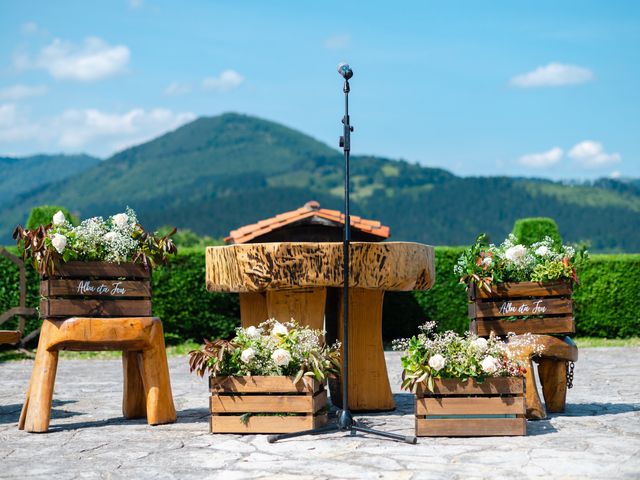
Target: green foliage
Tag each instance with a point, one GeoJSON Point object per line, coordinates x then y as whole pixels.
{"type": "Point", "coordinates": [188, 238]}
{"type": "Point", "coordinates": [531, 230]}
{"type": "Point", "coordinates": [185, 306]}
{"type": "Point", "coordinates": [43, 214]}
{"type": "Point", "coordinates": [10, 292]}
{"type": "Point", "coordinates": [607, 301]}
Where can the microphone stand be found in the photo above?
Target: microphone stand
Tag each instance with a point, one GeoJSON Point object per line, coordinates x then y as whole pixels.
{"type": "Point", "coordinates": [345, 420]}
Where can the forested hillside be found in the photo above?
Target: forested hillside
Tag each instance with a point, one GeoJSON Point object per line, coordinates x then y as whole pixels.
{"type": "Point", "coordinates": [218, 173]}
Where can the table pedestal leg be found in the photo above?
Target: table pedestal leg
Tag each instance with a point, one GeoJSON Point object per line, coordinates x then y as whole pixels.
{"type": "Point", "coordinates": [369, 388]}
{"type": "Point", "coordinates": [253, 308]}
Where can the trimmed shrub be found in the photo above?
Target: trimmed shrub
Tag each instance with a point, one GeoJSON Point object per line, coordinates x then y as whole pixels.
{"type": "Point", "coordinates": [532, 230]}
{"type": "Point", "coordinates": [43, 215]}
{"type": "Point", "coordinates": [187, 309]}
{"type": "Point", "coordinates": [607, 301]}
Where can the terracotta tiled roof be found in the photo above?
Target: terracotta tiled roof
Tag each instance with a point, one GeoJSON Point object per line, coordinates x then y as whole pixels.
{"type": "Point", "coordinates": [310, 209]}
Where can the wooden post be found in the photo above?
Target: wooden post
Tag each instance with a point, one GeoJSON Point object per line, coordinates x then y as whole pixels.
{"type": "Point", "coordinates": [37, 406]}
{"type": "Point", "coordinates": [134, 403]}
{"type": "Point", "coordinates": [253, 308]}
{"type": "Point", "coordinates": [306, 306]}
{"type": "Point", "coordinates": [369, 388]}
{"type": "Point", "coordinates": [553, 378]}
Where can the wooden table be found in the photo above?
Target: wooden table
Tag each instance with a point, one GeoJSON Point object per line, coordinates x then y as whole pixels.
{"type": "Point", "coordinates": [290, 280]}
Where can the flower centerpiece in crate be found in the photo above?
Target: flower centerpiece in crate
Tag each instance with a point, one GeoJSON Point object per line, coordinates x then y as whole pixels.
{"type": "Point", "coordinates": [268, 379]}
{"type": "Point", "coordinates": [100, 268]}
{"type": "Point", "coordinates": [519, 289]}
{"type": "Point", "coordinates": [464, 385]}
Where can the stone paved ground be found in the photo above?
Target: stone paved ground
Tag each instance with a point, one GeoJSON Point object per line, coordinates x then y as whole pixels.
{"type": "Point", "coordinates": [598, 436]}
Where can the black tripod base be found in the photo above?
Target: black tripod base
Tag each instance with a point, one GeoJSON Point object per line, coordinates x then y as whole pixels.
{"type": "Point", "coordinates": [344, 422]}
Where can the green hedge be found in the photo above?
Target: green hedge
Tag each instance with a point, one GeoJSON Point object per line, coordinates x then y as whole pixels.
{"type": "Point", "coordinates": [607, 303]}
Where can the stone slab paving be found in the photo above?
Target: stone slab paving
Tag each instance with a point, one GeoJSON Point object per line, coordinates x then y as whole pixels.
{"type": "Point", "coordinates": [598, 436]}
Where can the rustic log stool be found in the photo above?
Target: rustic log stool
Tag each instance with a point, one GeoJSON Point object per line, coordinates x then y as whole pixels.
{"type": "Point", "coordinates": [290, 280]}
{"type": "Point", "coordinates": [552, 370]}
{"type": "Point", "coordinates": [147, 387]}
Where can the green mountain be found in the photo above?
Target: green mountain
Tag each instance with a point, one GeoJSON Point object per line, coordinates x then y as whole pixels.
{"type": "Point", "coordinates": [20, 175]}
{"type": "Point", "coordinates": [216, 174]}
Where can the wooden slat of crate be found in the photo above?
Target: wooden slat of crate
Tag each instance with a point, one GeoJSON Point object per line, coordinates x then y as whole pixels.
{"type": "Point", "coordinates": [266, 424]}
{"type": "Point", "coordinates": [470, 406]}
{"type": "Point", "coordinates": [522, 289]}
{"type": "Point", "coordinates": [472, 427]}
{"type": "Point", "coordinates": [548, 325]}
{"type": "Point", "coordinates": [57, 307]}
{"type": "Point", "coordinates": [125, 288]}
{"type": "Point", "coordinates": [258, 384]}
{"type": "Point", "coordinates": [516, 308]}
{"type": "Point", "coordinates": [490, 386]}
{"type": "Point", "coordinates": [101, 270]}
{"type": "Point", "coordinates": [234, 403]}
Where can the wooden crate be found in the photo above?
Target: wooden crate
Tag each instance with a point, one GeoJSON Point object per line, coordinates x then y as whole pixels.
{"type": "Point", "coordinates": [522, 307]}
{"type": "Point", "coordinates": [278, 405]}
{"type": "Point", "coordinates": [96, 289]}
{"type": "Point", "coordinates": [455, 408]}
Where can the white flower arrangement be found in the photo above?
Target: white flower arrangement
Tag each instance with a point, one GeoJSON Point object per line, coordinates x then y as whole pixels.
{"type": "Point", "coordinates": [118, 239]}
{"type": "Point", "coordinates": [271, 349]}
{"type": "Point", "coordinates": [432, 355]}
{"type": "Point", "coordinates": [513, 262]}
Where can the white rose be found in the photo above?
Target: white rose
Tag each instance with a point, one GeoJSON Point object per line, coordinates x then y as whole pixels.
{"type": "Point", "coordinates": [109, 236]}
{"type": "Point", "coordinates": [487, 261]}
{"type": "Point", "coordinates": [481, 344]}
{"type": "Point", "coordinates": [247, 355]}
{"type": "Point", "coordinates": [542, 251]}
{"type": "Point", "coordinates": [279, 329]}
{"type": "Point", "coordinates": [120, 219]}
{"type": "Point", "coordinates": [490, 364]}
{"type": "Point", "coordinates": [281, 357]}
{"type": "Point", "coordinates": [253, 332]}
{"type": "Point", "coordinates": [59, 242]}
{"type": "Point", "coordinates": [58, 218]}
{"type": "Point", "coordinates": [516, 253]}
{"type": "Point", "coordinates": [437, 362]}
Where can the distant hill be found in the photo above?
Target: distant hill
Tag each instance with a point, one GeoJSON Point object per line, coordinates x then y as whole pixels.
{"type": "Point", "coordinates": [216, 174]}
{"type": "Point", "coordinates": [20, 175]}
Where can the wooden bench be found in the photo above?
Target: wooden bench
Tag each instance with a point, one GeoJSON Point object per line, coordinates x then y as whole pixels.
{"type": "Point", "coordinates": [147, 387]}
{"type": "Point", "coordinates": [92, 306]}
{"type": "Point", "coordinates": [552, 370]}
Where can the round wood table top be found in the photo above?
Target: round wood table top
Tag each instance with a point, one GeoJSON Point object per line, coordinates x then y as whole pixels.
{"type": "Point", "coordinates": [256, 267]}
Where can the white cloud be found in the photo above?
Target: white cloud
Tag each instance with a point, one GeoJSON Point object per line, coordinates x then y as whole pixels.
{"type": "Point", "coordinates": [590, 154]}
{"type": "Point", "coordinates": [542, 160]}
{"type": "Point", "coordinates": [93, 60]}
{"type": "Point", "coordinates": [176, 88]}
{"type": "Point", "coordinates": [337, 42]}
{"type": "Point", "coordinates": [135, 3]}
{"type": "Point", "coordinates": [225, 82]}
{"type": "Point", "coordinates": [29, 28]}
{"type": "Point", "coordinates": [553, 75]}
{"type": "Point", "coordinates": [86, 129]}
{"type": "Point", "coordinates": [615, 174]}
{"type": "Point", "coordinates": [19, 92]}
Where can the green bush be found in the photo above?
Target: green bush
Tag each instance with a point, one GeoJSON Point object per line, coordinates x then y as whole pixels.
{"type": "Point", "coordinates": [188, 311]}
{"type": "Point", "coordinates": [43, 215]}
{"type": "Point", "coordinates": [607, 301]}
{"type": "Point", "coordinates": [532, 230]}
{"type": "Point", "coordinates": [10, 291]}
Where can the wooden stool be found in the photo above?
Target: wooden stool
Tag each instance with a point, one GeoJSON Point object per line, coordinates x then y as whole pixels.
{"type": "Point", "coordinates": [147, 387]}
{"type": "Point", "coordinates": [552, 370]}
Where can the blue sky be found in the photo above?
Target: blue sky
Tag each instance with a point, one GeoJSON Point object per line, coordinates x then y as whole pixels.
{"type": "Point", "coordinates": [545, 88]}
